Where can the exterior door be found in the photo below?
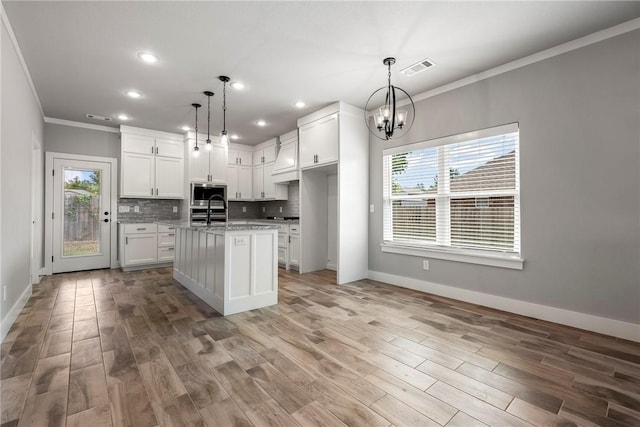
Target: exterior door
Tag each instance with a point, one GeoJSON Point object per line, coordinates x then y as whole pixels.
{"type": "Point", "coordinates": [81, 215]}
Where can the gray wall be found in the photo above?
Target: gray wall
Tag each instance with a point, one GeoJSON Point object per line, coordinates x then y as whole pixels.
{"type": "Point", "coordinates": [579, 116]}
{"type": "Point", "coordinates": [75, 140]}
{"type": "Point", "coordinates": [20, 118]}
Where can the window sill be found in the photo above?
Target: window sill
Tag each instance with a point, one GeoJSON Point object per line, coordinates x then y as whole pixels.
{"type": "Point", "coordinates": [460, 255]}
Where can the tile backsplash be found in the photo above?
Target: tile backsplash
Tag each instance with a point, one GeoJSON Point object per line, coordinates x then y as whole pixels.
{"type": "Point", "coordinates": [254, 210]}
{"type": "Point", "coordinates": [150, 210]}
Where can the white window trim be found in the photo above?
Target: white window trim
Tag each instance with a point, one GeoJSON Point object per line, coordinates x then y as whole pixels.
{"type": "Point", "coordinates": [493, 259]}
{"type": "Point", "coordinates": [441, 249]}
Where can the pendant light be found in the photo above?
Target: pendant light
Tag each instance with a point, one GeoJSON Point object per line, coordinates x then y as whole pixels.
{"type": "Point", "coordinates": [209, 95]}
{"type": "Point", "coordinates": [224, 137]}
{"type": "Point", "coordinates": [196, 149]}
{"type": "Point", "coordinates": [389, 122]}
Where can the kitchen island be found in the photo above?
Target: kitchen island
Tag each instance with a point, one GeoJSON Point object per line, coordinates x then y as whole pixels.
{"type": "Point", "coordinates": [232, 267]}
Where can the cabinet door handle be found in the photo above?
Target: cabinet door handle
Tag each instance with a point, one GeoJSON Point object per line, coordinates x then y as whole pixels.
{"type": "Point", "coordinates": [152, 150]}
{"type": "Point", "coordinates": [171, 228]}
{"type": "Point", "coordinates": [156, 150]}
{"type": "Point", "coordinates": [156, 191]}
{"type": "Point", "coordinates": [240, 160]}
{"type": "Point", "coordinates": [126, 240]}
{"type": "Point", "coordinates": [171, 234]}
{"type": "Point", "coordinates": [152, 191]}
{"type": "Point", "coordinates": [170, 249]}
{"type": "Point", "coordinates": [140, 229]}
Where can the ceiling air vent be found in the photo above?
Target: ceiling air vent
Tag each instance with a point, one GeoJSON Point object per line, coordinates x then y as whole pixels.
{"type": "Point", "coordinates": [417, 67]}
{"type": "Point", "coordinates": [94, 117]}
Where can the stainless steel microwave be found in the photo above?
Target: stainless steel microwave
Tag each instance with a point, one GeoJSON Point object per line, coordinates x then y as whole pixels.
{"type": "Point", "coordinates": [200, 193]}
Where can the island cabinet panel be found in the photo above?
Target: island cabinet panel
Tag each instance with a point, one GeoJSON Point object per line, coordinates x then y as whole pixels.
{"type": "Point", "coordinates": [239, 272]}
{"type": "Point", "coordinates": [233, 269]}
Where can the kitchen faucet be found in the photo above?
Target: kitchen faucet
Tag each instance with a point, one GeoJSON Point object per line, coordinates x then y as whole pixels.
{"type": "Point", "coordinates": [214, 196]}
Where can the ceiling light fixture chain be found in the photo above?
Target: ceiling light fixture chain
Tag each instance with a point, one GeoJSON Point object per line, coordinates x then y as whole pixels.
{"type": "Point", "coordinates": [224, 137]}
{"type": "Point", "coordinates": [209, 95]}
{"type": "Point", "coordinates": [196, 149]}
{"type": "Point", "coordinates": [389, 121]}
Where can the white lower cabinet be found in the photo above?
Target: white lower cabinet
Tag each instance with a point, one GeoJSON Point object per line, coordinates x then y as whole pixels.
{"type": "Point", "coordinates": [146, 244]}
{"type": "Point", "coordinates": [166, 243]}
{"type": "Point", "coordinates": [294, 245]}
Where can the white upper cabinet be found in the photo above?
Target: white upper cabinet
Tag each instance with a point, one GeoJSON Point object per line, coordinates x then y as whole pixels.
{"type": "Point", "coordinates": [264, 187]}
{"type": "Point", "coordinates": [319, 142]}
{"type": "Point", "coordinates": [239, 182]}
{"type": "Point", "coordinates": [265, 154]}
{"type": "Point", "coordinates": [210, 165]}
{"type": "Point", "coordinates": [239, 156]}
{"type": "Point", "coordinates": [152, 164]}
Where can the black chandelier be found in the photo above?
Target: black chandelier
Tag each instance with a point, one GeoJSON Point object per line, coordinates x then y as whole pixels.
{"type": "Point", "coordinates": [196, 149]}
{"type": "Point", "coordinates": [389, 121]}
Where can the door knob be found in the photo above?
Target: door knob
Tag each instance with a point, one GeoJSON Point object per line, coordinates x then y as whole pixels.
{"type": "Point", "coordinates": [106, 220]}
{"type": "Point", "coordinates": [106, 213]}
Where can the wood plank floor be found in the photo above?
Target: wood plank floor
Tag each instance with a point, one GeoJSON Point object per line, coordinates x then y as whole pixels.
{"type": "Point", "coordinates": [137, 349]}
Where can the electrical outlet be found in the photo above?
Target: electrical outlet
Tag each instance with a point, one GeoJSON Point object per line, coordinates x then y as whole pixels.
{"type": "Point", "coordinates": [425, 264]}
{"type": "Point", "coordinates": [280, 209]}
{"type": "Point", "coordinates": [175, 209]}
{"type": "Point", "coordinates": [123, 209]}
{"type": "Point", "coordinates": [4, 293]}
{"type": "Point", "coordinates": [136, 208]}
{"type": "Point", "coordinates": [244, 209]}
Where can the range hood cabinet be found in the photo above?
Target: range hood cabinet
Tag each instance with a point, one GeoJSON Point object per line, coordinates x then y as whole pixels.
{"type": "Point", "coordinates": [285, 168]}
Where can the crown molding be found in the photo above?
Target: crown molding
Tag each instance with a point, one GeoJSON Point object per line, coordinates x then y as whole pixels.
{"type": "Point", "coordinates": [80, 125]}
{"type": "Point", "coordinates": [587, 40]}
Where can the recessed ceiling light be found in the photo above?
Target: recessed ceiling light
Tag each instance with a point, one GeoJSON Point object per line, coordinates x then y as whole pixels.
{"type": "Point", "coordinates": [261, 123]}
{"type": "Point", "coordinates": [237, 85]}
{"type": "Point", "coordinates": [133, 94]}
{"type": "Point", "coordinates": [186, 128]}
{"type": "Point", "coordinates": [123, 117]}
{"type": "Point", "coordinates": [300, 104]}
{"type": "Point", "coordinates": [235, 136]}
{"type": "Point", "coordinates": [147, 57]}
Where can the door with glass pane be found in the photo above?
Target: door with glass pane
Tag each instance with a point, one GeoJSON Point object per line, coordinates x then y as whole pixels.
{"type": "Point", "coordinates": [81, 215]}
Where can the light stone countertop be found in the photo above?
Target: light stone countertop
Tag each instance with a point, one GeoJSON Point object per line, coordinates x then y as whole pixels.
{"type": "Point", "coordinates": [219, 226]}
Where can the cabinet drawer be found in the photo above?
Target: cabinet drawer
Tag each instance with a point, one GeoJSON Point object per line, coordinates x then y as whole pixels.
{"type": "Point", "coordinates": [165, 254]}
{"type": "Point", "coordinates": [140, 228]}
{"type": "Point", "coordinates": [166, 239]}
{"type": "Point", "coordinates": [166, 228]}
{"type": "Point", "coordinates": [294, 228]}
{"type": "Point", "coordinates": [283, 228]}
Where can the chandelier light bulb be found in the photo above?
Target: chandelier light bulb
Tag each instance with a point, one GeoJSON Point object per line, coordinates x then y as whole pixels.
{"type": "Point", "coordinates": [209, 145]}
{"type": "Point", "coordinates": [196, 151]}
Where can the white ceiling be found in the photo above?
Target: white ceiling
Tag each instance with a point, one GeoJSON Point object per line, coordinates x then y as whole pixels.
{"type": "Point", "coordinates": [82, 55]}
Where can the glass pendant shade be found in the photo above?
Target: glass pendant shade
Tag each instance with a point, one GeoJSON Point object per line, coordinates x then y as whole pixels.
{"type": "Point", "coordinates": [196, 151]}
{"type": "Point", "coordinates": [224, 138]}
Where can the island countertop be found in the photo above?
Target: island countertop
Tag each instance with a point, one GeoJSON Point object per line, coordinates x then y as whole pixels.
{"type": "Point", "coordinates": [218, 226]}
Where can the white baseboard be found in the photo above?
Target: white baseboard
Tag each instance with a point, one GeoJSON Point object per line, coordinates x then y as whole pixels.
{"type": "Point", "coordinates": [603, 325]}
{"type": "Point", "coordinates": [332, 266]}
{"type": "Point", "coordinates": [13, 314]}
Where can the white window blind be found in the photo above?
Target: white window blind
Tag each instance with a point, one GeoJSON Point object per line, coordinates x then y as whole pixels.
{"type": "Point", "coordinates": [461, 191]}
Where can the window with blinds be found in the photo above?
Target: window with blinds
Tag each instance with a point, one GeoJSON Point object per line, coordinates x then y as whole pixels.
{"type": "Point", "coordinates": [461, 191]}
